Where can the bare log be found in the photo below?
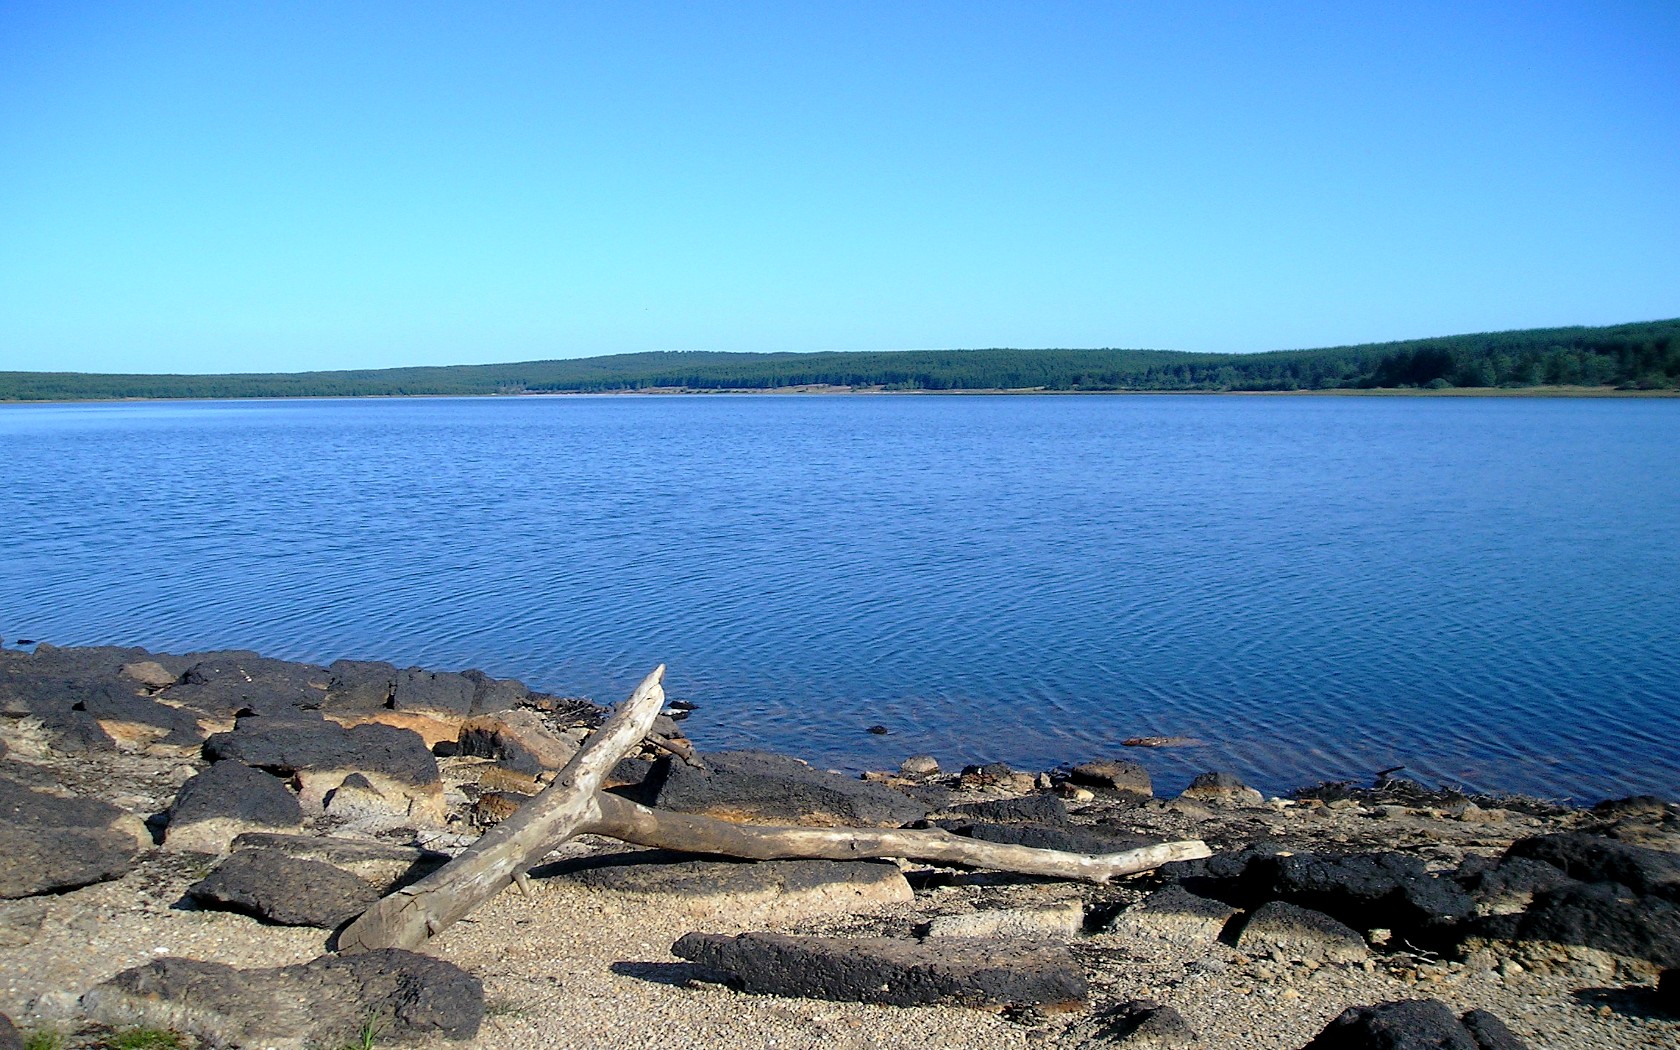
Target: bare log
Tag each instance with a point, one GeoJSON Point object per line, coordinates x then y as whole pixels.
{"type": "Point", "coordinates": [410, 915]}
{"type": "Point", "coordinates": [625, 820]}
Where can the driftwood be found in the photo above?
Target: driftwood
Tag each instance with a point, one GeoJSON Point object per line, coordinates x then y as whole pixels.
{"type": "Point", "coordinates": [629, 822]}
{"type": "Point", "coordinates": [574, 805]}
{"type": "Point", "coordinates": [421, 910]}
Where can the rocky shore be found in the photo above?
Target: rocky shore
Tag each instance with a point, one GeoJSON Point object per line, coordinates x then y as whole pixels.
{"type": "Point", "coordinates": [183, 837]}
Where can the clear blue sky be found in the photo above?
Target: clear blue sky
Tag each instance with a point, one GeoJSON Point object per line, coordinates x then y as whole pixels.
{"type": "Point", "coordinates": [245, 186]}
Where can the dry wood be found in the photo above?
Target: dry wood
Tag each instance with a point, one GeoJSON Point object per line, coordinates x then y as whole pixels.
{"type": "Point", "coordinates": [625, 820]}
{"type": "Point", "coordinates": [410, 915]}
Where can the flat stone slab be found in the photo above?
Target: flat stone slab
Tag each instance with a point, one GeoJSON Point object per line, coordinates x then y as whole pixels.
{"type": "Point", "coordinates": [1599, 915]}
{"type": "Point", "coordinates": [222, 684]}
{"type": "Point", "coordinates": [1414, 1024]}
{"type": "Point", "coordinates": [226, 800]}
{"type": "Point", "coordinates": [1300, 933]}
{"type": "Point", "coordinates": [1175, 914]}
{"type": "Point", "coordinates": [785, 888]}
{"type": "Point", "coordinates": [50, 843]}
{"type": "Point", "coordinates": [888, 971]}
{"type": "Point", "coordinates": [1593, 858]}
{"type": "Point", "coordinates": [762, 787]}
{"type": "Point", "coordinates": [1032, 809]}
{"type": "Point", "coordinates": [323, 1003]}
{"type": "Point", "coordinates": [1051, 922]}
{"type": "Point", "coordinates": [385, 865]}
{"type": "Point", "coordinates": [283, 890]}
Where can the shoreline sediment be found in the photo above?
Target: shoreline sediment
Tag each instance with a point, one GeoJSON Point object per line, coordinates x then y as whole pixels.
{"type": "Point", "coordinates": [395, 763]}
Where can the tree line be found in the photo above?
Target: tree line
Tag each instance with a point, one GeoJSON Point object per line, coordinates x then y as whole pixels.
{"type": "Point", "coordinates": [1630, 356]}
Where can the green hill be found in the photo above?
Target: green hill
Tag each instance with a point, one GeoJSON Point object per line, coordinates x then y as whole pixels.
{"type": "Point", "coordinates": [1644, 355]}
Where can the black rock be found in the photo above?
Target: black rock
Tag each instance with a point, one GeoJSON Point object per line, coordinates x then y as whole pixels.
{"type": "Point", "coordinates": [221, 684]}
{"type": "Point", "coordinates": [359, 686]}
{"type": "Point", "coordinates": [284, 890]}
{"type": "Point", "coordinates": [443, 692]}
{"type": "Point", "coordinates": [494, 695]}
{"type": "Point", "coordinates": [1034, 809]}
{"type": "Point", "coordinates": [10, 1037]}
{"type": "Point", "coordinates": [245, 798]}
{"type": "Point", "coordinates": [879, 730]}
{"type": "Point", "coordinates": [1598, 915]}
{"type": "Point", "coordinates": [1668, 991]}
{"type": "Point", "coordinates": [75, 732]}
{"type": "Point", "coordinates": [288, 745]}
{"type": "Point", "coordinates": [326, 1002]}
{"type": "Point", "coordinates": [759, 785]}
{"type": "Point", "coordinates": [1367, 891]}
{"type": "Point", "coordinates": [1593, 858]}
{"type": "Point", "coordinates": [1634, 806]}
{"type": "Point", "coordinates": [888, 971]}
{"type": "Point", "coordinates": [1413, 1024]}
{"type": "Point", "coordinates": [49, 844]}
{"type": "Point", "coordinates": [121, 705]}
{"type": "Point", "coordinates": [1050, 836]}
{"type": "Point", "coordinates": [1507, 883]}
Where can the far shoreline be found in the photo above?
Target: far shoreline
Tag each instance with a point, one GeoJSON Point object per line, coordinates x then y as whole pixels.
{"type": "Point", "coordinates": [1539, 392]}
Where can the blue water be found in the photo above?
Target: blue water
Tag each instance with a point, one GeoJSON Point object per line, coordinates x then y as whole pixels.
{"type": "Point", "coordinates": [1484, 591]}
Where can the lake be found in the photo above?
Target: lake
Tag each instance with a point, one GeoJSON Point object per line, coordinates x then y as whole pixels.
{"type": "Point", "coordinates": [1486, 591]}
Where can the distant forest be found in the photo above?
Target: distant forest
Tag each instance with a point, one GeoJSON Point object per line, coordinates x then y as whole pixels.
{"type": "Point", "coordinates": [1644, 356]}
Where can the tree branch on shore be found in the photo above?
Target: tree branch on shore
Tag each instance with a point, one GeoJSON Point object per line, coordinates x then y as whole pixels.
{"type": "Point", "coordinates": [573, 804]}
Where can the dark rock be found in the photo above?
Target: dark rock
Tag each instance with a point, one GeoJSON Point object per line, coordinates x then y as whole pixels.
{"type": "Point", "coordinates": [285, 746]}
{"type": "Point", "coordinates": [1632, 807]}
{"type": "Point", "coordinates": [1031, 809]}
{"type": "Point", "coordinates": [1367, 891]}
{"type": "Point", "coordinates": [1068, 839]}
{"type": "Point", "coordinates": [222, 684]}
{"type": "Point", "coordinates": [879, 730]}
{"type": "Point", "coordinates": [435, 692]}
{"type": "Point", "coordinates": [1141, 1024]}
{"type": "Point", "coordinates": [359, 686]}
{"type": "Point", "coordinates": [890, 972]}
{"type": "Point", "coordinates": [172, 725]}
{"type": "Point", "coordinates": [326, 1002]}
{"type": "Point", "coordinates": [1490, 1032]}
{"type": "Point", "coordinates": [49, 844]}
{"type": "Point", "coordinates": [387, 867]}
{"type": "Point", "coordinates": [284, 890]}
{"type": "Point", "coordinates": [1592, 858]}
{"type": "Point", "coordinates": [1294, 932]}
{"type": "Point", "coordinates": [1598, 915]}
{"type": "Point", "coordinates": [493, 695]}
{"type": "Point", "coordinates": [76, 732]}
{"type": "Point", "coordinates": [1119, 775]}
{"type": "Point", "coordinates": [1508, 884]}
{"type": "Point", "coordinates": [226, 800]}
{"type": "Point", "coordinates": [1668, 991]}
{"type": "Point", "coordinates": [761, 786]}
{"type": "Point", "coordinates": [10, 1037]}
{"type": "Point", "coordinates": [1413, 1024]}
